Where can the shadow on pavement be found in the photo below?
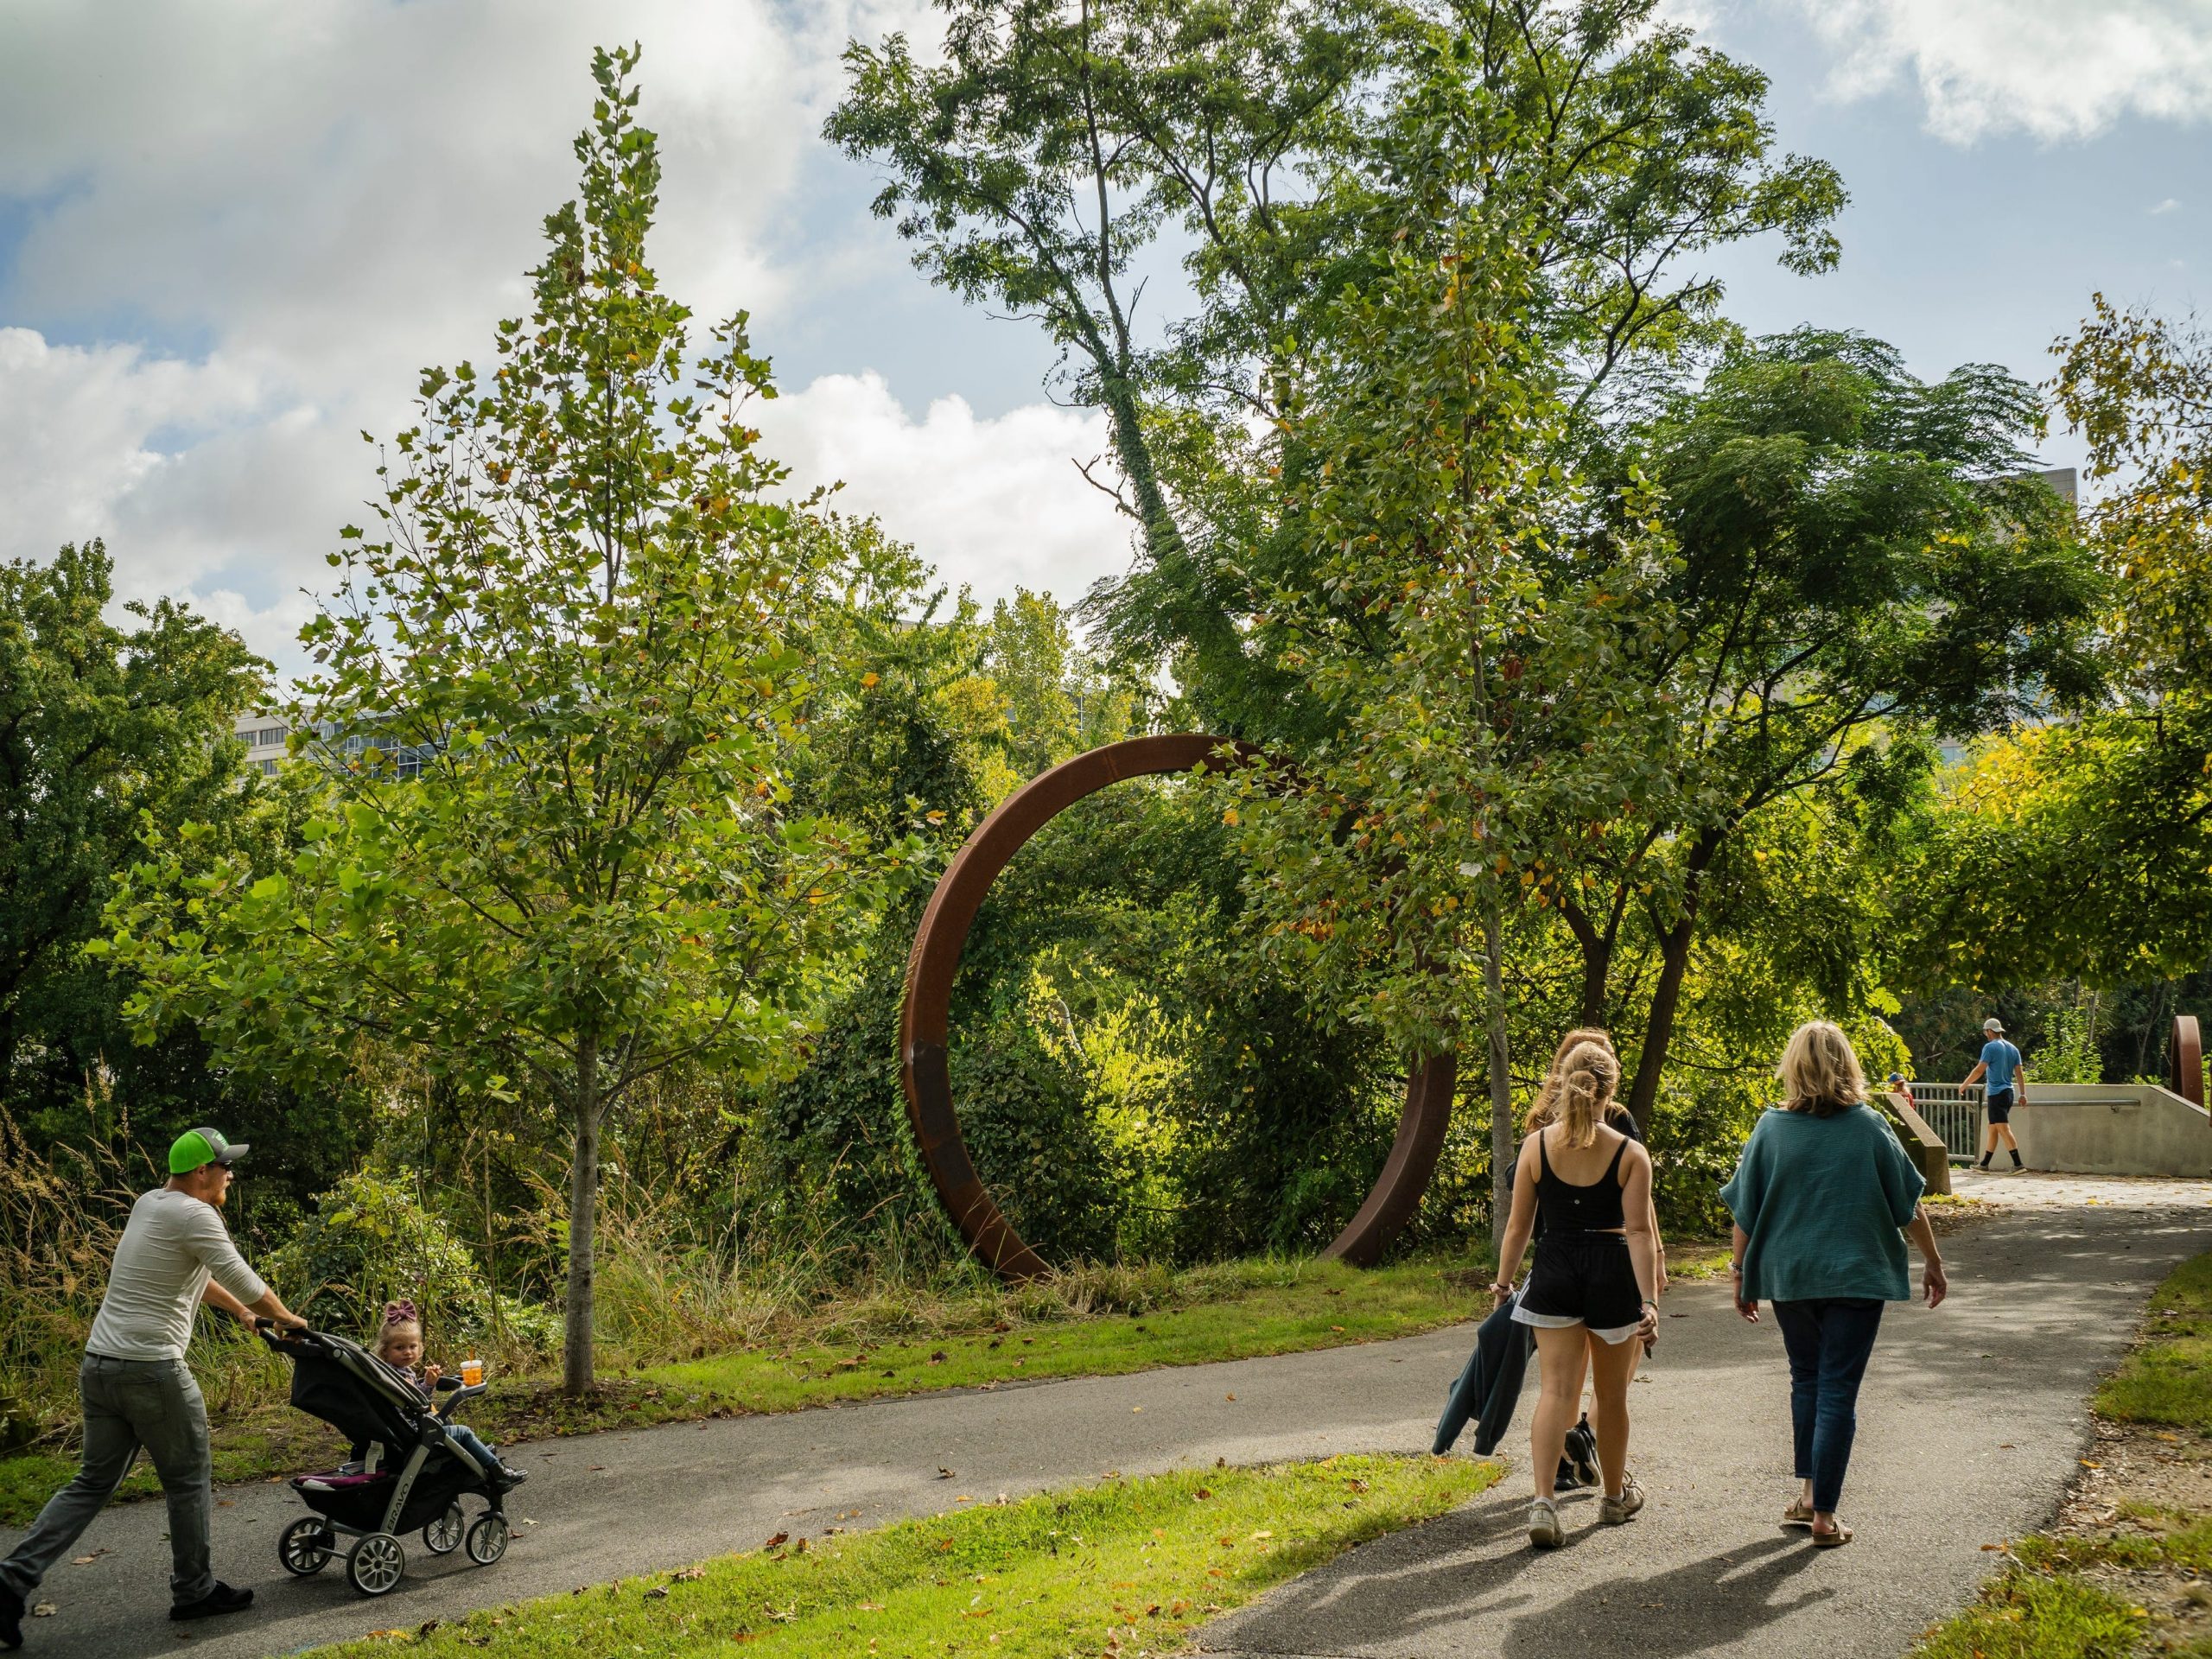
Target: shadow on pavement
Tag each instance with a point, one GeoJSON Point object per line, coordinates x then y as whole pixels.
{"type": "Point", "coordinates": [1472, 1573]}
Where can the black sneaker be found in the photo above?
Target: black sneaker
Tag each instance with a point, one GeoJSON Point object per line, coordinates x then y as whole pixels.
{"type": "Point", "coordinates": [1582, 1452]}
{"type": "Point", "coordinates": [11, 1618]}
{"type": "Point", "coordinates": [217, 1602]}
{"type": "Point", "coordinates": [509, 1476]}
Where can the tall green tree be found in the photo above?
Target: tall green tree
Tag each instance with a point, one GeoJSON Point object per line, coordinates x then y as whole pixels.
{"type": "Point", "coordinates": [576, 624]}
{"type": "Point", "coordinates": [103, 727]}
{"type": "Point", "coordinates": [1866, 562]}
{"type": "Point", "coordinates": [1489, 706]}
{"type": "Point", "coordinates": [2081, 850]}
{"type": "Point", "coordinates": [1275, 142]}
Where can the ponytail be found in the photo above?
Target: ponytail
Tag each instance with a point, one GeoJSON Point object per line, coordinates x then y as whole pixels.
{"type": "Point", "coordinates": [1587, 1080]}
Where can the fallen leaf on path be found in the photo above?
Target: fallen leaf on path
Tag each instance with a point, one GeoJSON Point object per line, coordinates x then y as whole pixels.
{"type": "Point", "coordinates": [44, 1609]}
{"type": "Point", "coordinates": [86, 1560]}
{"type": "Point", "coordinates": [781, 1538]}
{"type": "Point", "coordinates": [944, 1473]}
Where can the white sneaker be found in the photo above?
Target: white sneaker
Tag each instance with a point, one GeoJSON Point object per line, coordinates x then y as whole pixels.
{"type": "Point", "coordinates": [1544, 1530]}
{"type": "Point", "coordinates": [1616, 1511]}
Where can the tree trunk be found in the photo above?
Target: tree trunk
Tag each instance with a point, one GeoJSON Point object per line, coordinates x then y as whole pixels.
{"type": "Point", "coordinates": [1666, 995]}
{"type": "Point", "coordinates": [583, 1214]}
{"type": "Point", "coordinates": [1500, 1073]}
{"type": "Point", "coordinates": [1597, 950]}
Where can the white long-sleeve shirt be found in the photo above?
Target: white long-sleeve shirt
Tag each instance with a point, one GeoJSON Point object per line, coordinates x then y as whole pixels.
{"type": "Point", "coordinates": [172, 1246]}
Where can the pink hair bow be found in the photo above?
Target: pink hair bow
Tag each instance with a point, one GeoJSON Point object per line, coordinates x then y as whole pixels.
{"type": "Point", "coordinates": [399, 1312]}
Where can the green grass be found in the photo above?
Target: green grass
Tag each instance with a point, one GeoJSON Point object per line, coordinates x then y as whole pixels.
{"type": "Point", "coordinates": [2039, 1608]}
{"type": "Point", "coordinates": [2172, 1539]}
{"type": "Point", "coordinates": [1253, 1309]}
{"type": "Point", "coordinates": [2029, 1615]}
{"type": "Point", "coordinates": [1125, 1566]}
{"type": "Point", "coordinates": [2168, 1379]}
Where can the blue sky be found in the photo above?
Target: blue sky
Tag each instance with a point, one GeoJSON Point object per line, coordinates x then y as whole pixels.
{"type": "Point", "coordinates": [228, 238]}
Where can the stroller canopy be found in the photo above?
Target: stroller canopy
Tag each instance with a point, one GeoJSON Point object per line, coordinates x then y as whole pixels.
{"type": "Point", "coordinates": [353, 1390]}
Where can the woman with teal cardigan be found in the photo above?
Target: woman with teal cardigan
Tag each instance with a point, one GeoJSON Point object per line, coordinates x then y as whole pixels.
{"type": "Point", "coordinates": [1824, 1199]}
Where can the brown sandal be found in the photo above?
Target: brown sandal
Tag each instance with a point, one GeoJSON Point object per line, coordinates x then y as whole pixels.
{"type": "Point", "coordinates": [1799, 1513]}
{"type": "Point", "coordinates": [1835, 1540]}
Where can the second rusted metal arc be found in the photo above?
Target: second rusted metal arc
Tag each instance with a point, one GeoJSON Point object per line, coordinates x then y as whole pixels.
{"type": "Point", "coordinates": [2185, 1060]}
{"type": "Point", "coordinates": [924, 1019]}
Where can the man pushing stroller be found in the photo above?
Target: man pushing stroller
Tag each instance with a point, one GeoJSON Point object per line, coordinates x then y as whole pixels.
{"type": "Point", "coordinates": [175, 1254]}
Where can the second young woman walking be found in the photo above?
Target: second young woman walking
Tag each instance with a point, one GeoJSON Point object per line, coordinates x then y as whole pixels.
{"type": "Point", "coordinates": [1595, 1275]}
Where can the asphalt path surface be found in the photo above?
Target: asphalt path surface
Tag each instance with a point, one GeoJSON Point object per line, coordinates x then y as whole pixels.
{"type": "Point", "coordinates": [1971, 1421]}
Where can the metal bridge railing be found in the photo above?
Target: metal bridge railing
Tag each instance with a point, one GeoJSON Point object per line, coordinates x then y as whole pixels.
{"type": "Point", "coordinates": [1954, 1110]}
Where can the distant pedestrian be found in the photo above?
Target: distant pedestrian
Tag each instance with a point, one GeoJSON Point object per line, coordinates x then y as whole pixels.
{"type": "Point", "coordinates": [1595, 1275]}
{"type": "Point", "coordinates": [2007, 1076]}
{"type": "Point", "coordinates": [1819, 1197]}
{"type": "Point", "coordinates": [1900, 1085]}
{"type": "Point", "coordinates": [175, 1254]}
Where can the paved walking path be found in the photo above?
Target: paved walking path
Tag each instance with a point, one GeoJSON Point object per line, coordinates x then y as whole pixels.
{"type": "Point", "coordinates": [1971, 1423]}
{"type": "Point", "coordinates": [1969, 1426]}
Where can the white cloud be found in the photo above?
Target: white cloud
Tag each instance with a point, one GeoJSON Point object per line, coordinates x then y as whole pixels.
{"type": "Point", "coordinates": [994, 504]}
{"type": "Point", "coordinates": [2170, 205]}
{"type": "Point", "coordinates": [269, 215]}
{"type": "Point", "coordinates": [2054, 69]}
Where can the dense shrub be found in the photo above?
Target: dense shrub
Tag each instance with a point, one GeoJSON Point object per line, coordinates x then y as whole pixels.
{"type": "Point", "coordinates": [370, 1241]}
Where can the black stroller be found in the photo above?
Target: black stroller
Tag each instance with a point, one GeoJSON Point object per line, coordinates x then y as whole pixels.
{"type": "Point", "coordinates": [408, 1472]}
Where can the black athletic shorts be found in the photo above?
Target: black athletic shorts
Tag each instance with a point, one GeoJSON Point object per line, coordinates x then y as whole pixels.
{"type": "Point", "coordinates": [1999, 1102]}
{"type": "Point", "coordinates": [1583, 1279]}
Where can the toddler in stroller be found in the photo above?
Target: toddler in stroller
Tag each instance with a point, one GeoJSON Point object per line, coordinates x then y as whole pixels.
{"type": "Point", "coordinates": [410, 1469]}
{"type": "Point", "coordinates": [399, 1344]}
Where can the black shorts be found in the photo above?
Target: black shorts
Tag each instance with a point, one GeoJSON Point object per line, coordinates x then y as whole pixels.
{"type": "Point", "coordinates": [1583, 1279]}
{"type": "Point", "coordinates": [2000, 1105]}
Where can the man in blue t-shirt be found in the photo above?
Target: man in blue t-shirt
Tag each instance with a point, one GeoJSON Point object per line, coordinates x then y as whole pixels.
{"type": "Point", "coordinates": [2007, 1078]}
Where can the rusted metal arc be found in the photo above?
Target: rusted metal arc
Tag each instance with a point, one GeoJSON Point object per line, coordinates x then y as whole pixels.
{"type": "Point", "coordinates": [2185, 1060]}
{"type": "Point", "coordinates": [925, 1021]}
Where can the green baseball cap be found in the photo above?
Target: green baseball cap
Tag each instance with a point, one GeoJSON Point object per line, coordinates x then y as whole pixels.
{"type": "Point", "coordinates": [197, 1148]}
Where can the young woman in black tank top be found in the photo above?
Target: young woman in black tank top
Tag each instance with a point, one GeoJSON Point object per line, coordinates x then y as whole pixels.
{"type": "Point", "coordinates": [1595, 1276]}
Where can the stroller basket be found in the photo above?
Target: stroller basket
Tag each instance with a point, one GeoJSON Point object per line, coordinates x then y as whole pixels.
{"type": "Point", "coordinates": [412, 1474]}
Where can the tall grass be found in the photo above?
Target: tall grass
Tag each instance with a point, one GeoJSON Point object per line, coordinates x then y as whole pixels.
{"type": "Point", "coordinates": [672, 1285]}
{"type": "Point", "coordinates": [61, 1217]}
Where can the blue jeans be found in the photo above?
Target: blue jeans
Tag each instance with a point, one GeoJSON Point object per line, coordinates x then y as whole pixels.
{"type": "Point", "coordinates": [131, 1403]}
{"type": "Point", "coordinates": [1828, 1342]}
{"type": "Point", "coordinates": [472, 1443]}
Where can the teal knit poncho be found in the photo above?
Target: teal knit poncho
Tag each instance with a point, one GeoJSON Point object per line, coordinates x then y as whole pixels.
{"type": "Point", "coordinates": [1823, 1199]}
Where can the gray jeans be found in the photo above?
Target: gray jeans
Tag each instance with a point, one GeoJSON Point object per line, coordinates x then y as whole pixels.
{"type": "Point", "coordinates": [130, 1403]}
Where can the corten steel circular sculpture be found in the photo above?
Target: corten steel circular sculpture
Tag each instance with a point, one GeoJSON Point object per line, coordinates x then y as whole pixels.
{"type": "Point", "coordinates": [2185, 1060]}
{"type": "Point", "coordinates": [924, 1025]}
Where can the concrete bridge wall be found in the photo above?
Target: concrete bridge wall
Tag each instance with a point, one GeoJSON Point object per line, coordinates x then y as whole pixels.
{"type": "Point", "coordinates": [2112, 1130]}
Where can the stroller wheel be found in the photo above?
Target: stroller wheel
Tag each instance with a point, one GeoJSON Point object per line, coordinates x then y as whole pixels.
{"type": "Point", "coordinates": [443, 1535]}
{"type": "Point", "coordinates": [375, 1564]}
{"type": "Point", "coordinates": [305, 1546]}
{"type": "Point", "coordinates": [487, 1539]}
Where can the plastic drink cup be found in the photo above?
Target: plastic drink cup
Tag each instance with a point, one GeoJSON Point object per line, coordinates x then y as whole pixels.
{"type": "Point", "coordinates": [472, 1371]}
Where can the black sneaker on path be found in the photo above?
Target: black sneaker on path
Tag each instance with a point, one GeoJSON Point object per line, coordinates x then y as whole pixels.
{"type": "Point", "coordinates": [11, 1618]}
{"type": "Point", "coordinates": [217, 1602]}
